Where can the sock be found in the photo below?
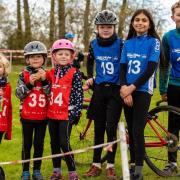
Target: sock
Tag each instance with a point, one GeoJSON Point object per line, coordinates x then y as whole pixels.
{"type": "Point", "coordinates": [174, 163]}
{"type": "Point", "coordinates": [138, 169]}
{"type": "Point", "coordinates": [109, 165]}
{"type": "Point", "coordinates": [26, 173]}
{"type": "Point", "coordinates": [58, 170]}
{"type": "Point", "coordinates": [36, 171]}
{"type": "Point", "coordinates": [97, 165]}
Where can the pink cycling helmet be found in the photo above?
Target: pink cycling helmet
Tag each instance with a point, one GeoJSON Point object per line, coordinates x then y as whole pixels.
{"type": "Point", "coordinates": [62, 44]}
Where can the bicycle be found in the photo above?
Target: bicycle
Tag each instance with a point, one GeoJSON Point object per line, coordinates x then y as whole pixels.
{"type": "Point", "coordinates": [157, 139]}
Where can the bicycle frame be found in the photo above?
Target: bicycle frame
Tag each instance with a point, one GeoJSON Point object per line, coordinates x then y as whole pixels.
{"type": "Point", "coordinates": [162, 141]}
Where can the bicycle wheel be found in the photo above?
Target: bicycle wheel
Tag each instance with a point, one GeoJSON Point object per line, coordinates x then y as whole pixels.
{"type": "Point", "coordinates": [158, 144]}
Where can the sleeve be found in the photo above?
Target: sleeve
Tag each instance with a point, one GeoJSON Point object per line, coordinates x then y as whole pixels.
{"type": "Point", "coordinates": [151, 68]}
{"type": "Point", "coordinates": [90, 62]}
{"type": "Point", "coordinates": [123, 70]}
{"type": "Point", "coordinates": [8, 134]}
{"type": "Point", "coordinates": [22, 89]}
{"type": "Point", "coordinates": [46, 84]}
{"type": "Point", "coordinates": [154, 54]}
{"type": "Point", "coordinates": [164, 69]}
{"type": "Point", "coordinates": [76, 97]}
{"type": "Point", "coordinates": [124, 55]}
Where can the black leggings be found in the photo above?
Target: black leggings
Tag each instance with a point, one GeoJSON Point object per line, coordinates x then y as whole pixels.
{"type": "Point", "coordinates": [30, 129]}
{"type": "Point", "coordinates": [136, 120]}
{"type": "Point", "coordinates": [60, 132]}
{"type": "Point", "coordinates": [1, 136]}
{"type": "Point", "coordinates": [108, 105]}
{"type": "Point", "coordinates": [173, 96]}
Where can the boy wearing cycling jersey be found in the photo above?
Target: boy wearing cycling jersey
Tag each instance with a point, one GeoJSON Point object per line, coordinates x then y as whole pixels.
{"type": "Point", "coordinates": [31, 89]}
{"type": "Point", "coordinates": [105, 51]}
{"type": "Point", "coordinates": [170, 81]}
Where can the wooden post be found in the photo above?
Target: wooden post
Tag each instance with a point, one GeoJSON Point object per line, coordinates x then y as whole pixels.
{"type": "Point", "coordinates": [123, 148]}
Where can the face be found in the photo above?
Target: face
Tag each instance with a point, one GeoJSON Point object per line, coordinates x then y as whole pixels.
{"type": "Point", "coordinates": [141, 24]}
{"type": "Point", "coordinates": [105, 31]}
{"type": "Point", "coordinates": [176, 17]}
{"type": "Point", "coordinates": [2, 70]}
{"type": "Point", "coordinates": [35, 60]}
{"type": "Point", "coordinates": [63, 57]}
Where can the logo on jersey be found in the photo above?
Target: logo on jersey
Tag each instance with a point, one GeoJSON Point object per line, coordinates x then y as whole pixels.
{"type": "Point", "coordinates": [135, 55]}
{"type": "Point", "coordinates": [176, 50]}
{"type": "Point", "coordinates": [106, 58]}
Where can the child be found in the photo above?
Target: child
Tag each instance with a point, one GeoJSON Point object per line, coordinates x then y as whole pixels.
{"type": "Point", "coordinates": [105, 51]}
{"type": "Point", "coordinates": [170, 82]}
{"type": "Point", "coordinates": [65, 104]}
{"type": "Point", "coordinates": [31, 90]}
{"type": "Point", "coordinates": [79, 58]}
{"type": "Point", "coordinates": [139, 61]}
{"type": "Point", "coordinates": [5, 100]}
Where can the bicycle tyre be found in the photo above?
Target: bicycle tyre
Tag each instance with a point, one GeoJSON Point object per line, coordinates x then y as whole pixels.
{"type": "Point", "coordinates": [156, 157]}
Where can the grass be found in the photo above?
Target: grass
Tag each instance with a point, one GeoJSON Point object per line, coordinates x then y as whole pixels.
{"type": "Point", "coordinates": [11, 150]}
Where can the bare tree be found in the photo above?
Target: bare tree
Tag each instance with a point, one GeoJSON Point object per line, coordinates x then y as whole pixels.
{"type": "Point", "coordinates": [122, 17]}
{"type": "Point", "coordinates": [19, 26]}
{"type": "Point", "coordinates": [61, 17]}
{"type": "Point", "coordinates": [86, 25]}
{"type": "Point", "coordinates": [52, 24]}
{"type": "Point", "coordinates": [27, 21]}
{"type": "Point", "coordinates": [104, 4]}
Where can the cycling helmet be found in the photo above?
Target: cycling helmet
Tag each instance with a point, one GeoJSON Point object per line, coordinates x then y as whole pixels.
{"type": "Point", "coordinates": [105, 17]}
{"type": "Point", "coordinates": [62, 44]}
{"type": "Point", "coordinates": [35, 47]}
{"type": "Point", "coordinates": [69, 35]}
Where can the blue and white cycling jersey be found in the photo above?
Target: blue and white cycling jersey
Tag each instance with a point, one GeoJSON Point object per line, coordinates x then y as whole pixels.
{"type": "Point", "coordinates": [137, 52]}
{"type": "Point", "coordinates": [107, 60]}
{"type": "Point", "coordinates": [174, 43]}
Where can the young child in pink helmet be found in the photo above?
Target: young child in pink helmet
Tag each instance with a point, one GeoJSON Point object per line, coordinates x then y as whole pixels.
{"type": "Point", "coordinates": [65, 104]}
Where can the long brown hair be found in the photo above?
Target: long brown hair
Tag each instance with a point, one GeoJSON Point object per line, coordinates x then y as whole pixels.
{"type": "Point", "coordinates": [151, 31]}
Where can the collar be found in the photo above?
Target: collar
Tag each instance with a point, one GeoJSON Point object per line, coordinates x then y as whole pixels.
{"type": "Point", "coordinates": [3, 81]}
{"type": "Point", "coordinates": [106, 41]}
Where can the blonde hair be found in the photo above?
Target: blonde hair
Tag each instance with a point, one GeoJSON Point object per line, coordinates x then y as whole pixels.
{"type": "Point", "coordinates": [174, 6]}
{"type": "Point", "coordinates": [5, 63]}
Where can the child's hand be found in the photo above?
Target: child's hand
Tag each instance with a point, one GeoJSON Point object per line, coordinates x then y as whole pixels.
{"type": "Point", "coordinates": [89, 82]}
{"type": "Point", "coordinates": [127, 90]}
{"type": "Point", "coordinates": [128, 100]}
{"type": "Point", "coordinates": [42, 74]}
{"type": "Point", "coordinates": [164, 97]}
{"type": "Point", "coordinates": [1, 92]}
{"type": "Point", "coordinates": [33, 78]}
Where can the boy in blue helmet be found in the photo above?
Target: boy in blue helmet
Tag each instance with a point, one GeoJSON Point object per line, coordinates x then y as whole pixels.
{"type": "Point", "coordinates": [80, 56]}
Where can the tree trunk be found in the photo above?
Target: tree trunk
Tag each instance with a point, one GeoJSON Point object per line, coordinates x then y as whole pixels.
{"type": "Point", "coordinates": [19, 32]}
{"type": "Point", "coordinates": [52, 24]}
{"type": "Point", "coordinates": [104, 4]}
{"type": "Point", "coordinates": [122, 17]}
{"type": "Point", "coordinates": [61, 16]}
{"type": "Point", "coordinates": [27, 22]}
{"type": "Point", "coordinates": [86, 26]}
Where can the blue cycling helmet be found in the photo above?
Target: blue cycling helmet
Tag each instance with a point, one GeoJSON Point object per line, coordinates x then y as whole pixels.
{"type": "Point", "coordinates": [69, 35]}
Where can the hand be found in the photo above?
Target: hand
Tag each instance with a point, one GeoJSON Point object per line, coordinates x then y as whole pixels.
{"type": "Point", "coordinates": [42, 74]}
{"type": "Point", "coordinates": [89, 82]}
{"type": "Point", "coordinates": [127, 90]}
{"type": "Point", "coordinates": [33, 78]}
{"type": "Point", "coordinates": [128, 100]}
{"type": "Point", "coordinates": [164, 97]}
{"type": "Point", "coordinates": [1, 92]}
